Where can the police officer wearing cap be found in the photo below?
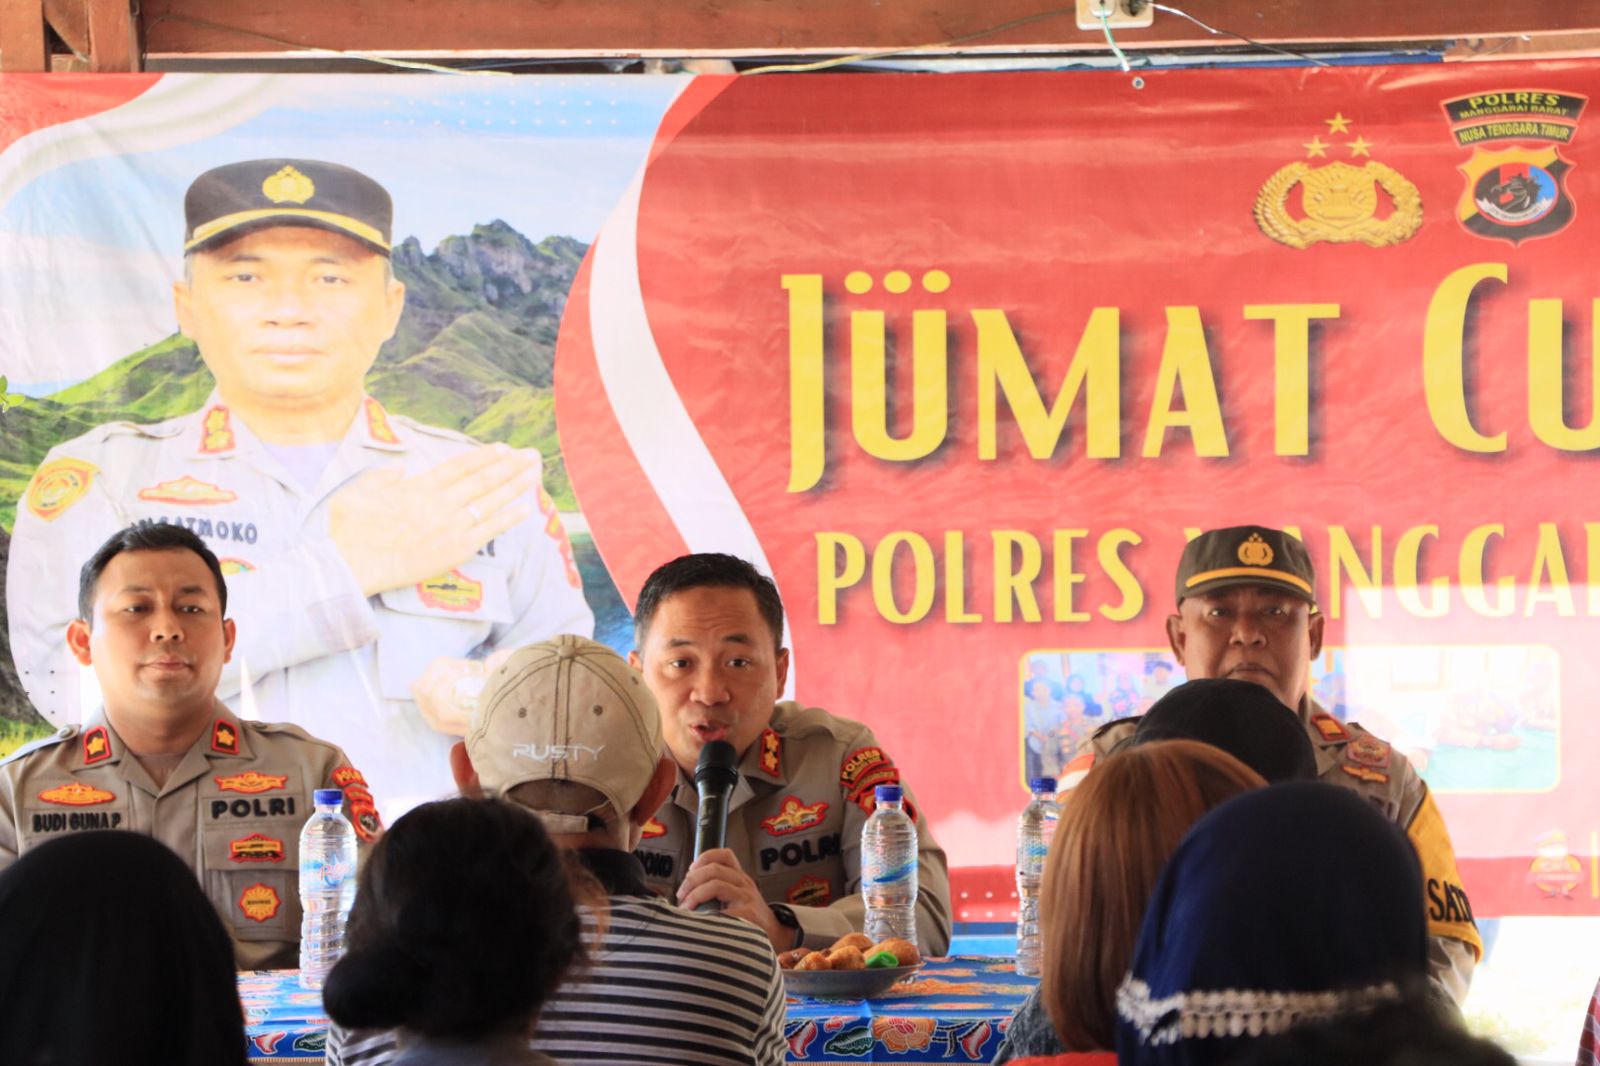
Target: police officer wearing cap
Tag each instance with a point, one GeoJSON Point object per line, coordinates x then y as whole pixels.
{"type": "Point", "coordinates": [377, 563]}
{"type": "Point", "coordinates": [165, 758]}
{"type": "Point", "coordinates": [1247, 610]}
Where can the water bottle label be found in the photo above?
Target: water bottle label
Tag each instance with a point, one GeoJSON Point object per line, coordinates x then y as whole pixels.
{"type": "Point", "coordinates": [330, 873]}
{"type": "Point", "coordinates": [894, 875]}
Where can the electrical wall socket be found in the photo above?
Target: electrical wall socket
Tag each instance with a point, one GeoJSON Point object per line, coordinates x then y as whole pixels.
{"type": "Point", "coordinates": [1116, 12]}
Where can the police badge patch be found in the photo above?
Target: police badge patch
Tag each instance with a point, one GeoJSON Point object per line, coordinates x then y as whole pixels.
{"type": "Point", "coordinates": [1516, 179]}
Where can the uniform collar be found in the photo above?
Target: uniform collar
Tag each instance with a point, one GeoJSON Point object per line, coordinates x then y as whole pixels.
{"type": "Point", "coordinates": [100, 745]}
{"type": "Point", "coordinates": [219, 432]}
{"type": "Point", "coordinates": [762, 767]}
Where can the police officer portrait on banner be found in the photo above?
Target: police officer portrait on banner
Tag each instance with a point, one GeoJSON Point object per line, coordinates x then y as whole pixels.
{"type": "Point", "coordinates": [708, 634]}
{"type": "Point", "coordinates": [1247, 610]}
{"type": "Point", "coordinates": [378, 563]}
{"type": "Point", "coordinates": [164, 757]}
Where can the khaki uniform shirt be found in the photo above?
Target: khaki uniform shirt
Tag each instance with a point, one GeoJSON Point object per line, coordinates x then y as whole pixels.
{"type": "Point", "coordinates": [805, 789]}
{"type": "Point", "coordinates": [313, 649]}
{"type": "Point", "coordinates": [232, 809]}
{"type": "Point", "coordinates": [1349, 756]}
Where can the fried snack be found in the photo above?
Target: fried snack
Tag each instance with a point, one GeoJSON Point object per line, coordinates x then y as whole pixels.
{"type": "Point", "coordinates": [847, 958]}
{"type": "Point", "coordinates": [904, 950]}
{"type": "Point", "coordinates": [790, 959]}
{"type": "Point", "coordinates": [860, 941]}
{"type": "Point", "coordinates": [814, 960]}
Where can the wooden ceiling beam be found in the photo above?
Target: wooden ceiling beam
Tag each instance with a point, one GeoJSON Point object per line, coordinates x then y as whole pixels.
{"type": "Point", "coordinates": [23, 45]}
{"type": "Point", "coordinates": [192, 28]}
{"type": "Point", "coordinates": [114, 36]}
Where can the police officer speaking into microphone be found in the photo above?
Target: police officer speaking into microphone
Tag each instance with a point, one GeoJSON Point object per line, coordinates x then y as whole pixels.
{"type": "Point", "coordinates": [708, 631]}
{"type": "Point", "coordinates": [164, 757]}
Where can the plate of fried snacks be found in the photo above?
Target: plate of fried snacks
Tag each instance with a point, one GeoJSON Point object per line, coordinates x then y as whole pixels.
{"type": "Point", "coordinates": [853, 968]}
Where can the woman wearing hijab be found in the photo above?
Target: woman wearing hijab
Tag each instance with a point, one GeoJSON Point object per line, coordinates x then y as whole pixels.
{"type": "Point", "coordinates": [1292, 904]}
{"type": "Point", "coordinates": [464, 924]}
{"type": "Point", "coordinates": [110, 953]}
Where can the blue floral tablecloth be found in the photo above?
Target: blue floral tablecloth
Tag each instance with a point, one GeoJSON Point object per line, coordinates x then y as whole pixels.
{"type": "Point", "coordinates": [952, 1010]}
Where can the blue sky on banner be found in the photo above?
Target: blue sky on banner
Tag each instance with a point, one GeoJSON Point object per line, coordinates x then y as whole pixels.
{"type": "Point", "coordinates": [548, 155]}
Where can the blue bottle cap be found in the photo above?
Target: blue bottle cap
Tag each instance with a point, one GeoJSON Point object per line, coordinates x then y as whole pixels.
{"type": "Point", "coordinates": [888, 793]}
{"type": "Point", "coordinates": [328, 797]}
{"type": "Point", "coordinates": [1042, 784]}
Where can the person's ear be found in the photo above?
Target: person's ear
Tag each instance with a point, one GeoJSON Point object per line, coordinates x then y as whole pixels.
{"type": "Point", "coordinates": [1316, 625]}
{"type": "Point", "coordinates": [78, 640]}
{"type": "Point", "coordinates": [461, 768]}
{"type": "Point", "coordinates": [1176, 636]}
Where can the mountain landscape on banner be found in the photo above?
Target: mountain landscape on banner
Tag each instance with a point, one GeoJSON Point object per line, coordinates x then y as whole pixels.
{"type": "Point", "coordinates": [474, 352]}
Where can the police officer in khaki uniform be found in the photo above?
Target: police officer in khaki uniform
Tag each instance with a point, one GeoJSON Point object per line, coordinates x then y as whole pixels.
{"type": "Point", "coordinates": [165, 758]}
{"type": "Point", "coordinates": [377, 563]}
{"type": "Point", "coordinates": [1247, 610]}
{"type": "Point", "coordinates": [709, 630]}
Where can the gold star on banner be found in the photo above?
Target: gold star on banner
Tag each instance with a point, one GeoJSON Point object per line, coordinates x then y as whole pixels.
{"type": "Point", "coordinates": [1338, 123]}
{"type": "Point", "coordinates": [1360, 146]}
{"type": "Point", "coordinates": [1315, 148]}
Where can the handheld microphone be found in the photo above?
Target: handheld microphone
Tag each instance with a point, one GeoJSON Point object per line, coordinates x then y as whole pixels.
{"type": "Point", "coordinates": [715, 775]}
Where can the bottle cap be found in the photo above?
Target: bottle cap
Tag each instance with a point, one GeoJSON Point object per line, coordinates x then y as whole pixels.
{"type": "Point", "coordinates": [1042, 784]}
{"type": "Point", "coordinates": [329, 797]}
{"type": "Point", "coordinates": [888, 793]}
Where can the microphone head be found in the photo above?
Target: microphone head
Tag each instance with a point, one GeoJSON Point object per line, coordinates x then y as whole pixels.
{"type": "Point", "coordinates": [718, 766]}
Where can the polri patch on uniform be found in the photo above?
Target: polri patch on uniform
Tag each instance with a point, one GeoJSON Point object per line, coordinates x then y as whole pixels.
{"type": "Point", "coordinates": [856, 765]}
{"type": "Point", "coordinates": [216, 430]}
{"type": "Point", "coordinates": [864, 794]}
{"type": "Point", "coordinates": [345, 776]}
{"type": "Point", "coordinates": [59, 484]}
{"type": "Point", "coordinates": [1329, 727]}
{"type": "Point", "coordinates": [378, 423]}
{"type": "Point", "coordinates": [653, 829]}
{"type": "Point", "coordinates": [1368, 750]}
{"type": "Point", "coordinates": [251, 782]}
{"type": "Point", "coordinates": [96, 746]}
{"type": "Point", "coordinates": [224, 738]}
{"type": "Point", "coordinates": [257, 847]}
{"type": "Point", "coordinates": [76, 794]}
{"type": "Point", "coordinates": [188, 490]}
{"type": "Point", "coordinates": [259, 902]}
{"type": "Point", "coordinates": [794, 816]}
{"type": "Point", "coordinates": [771, 752]}
{"type": "Point", "coordinates": [1364, 773]}
{"type": "Point", "coordinates": [811, 892]}
{"type": "Point", "coordinates": [363, 813]}
{"type": "Point", "coordinates": [454, 591]}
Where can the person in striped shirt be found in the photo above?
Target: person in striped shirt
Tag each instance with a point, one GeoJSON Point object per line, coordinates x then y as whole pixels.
{"type": "Point", "coordinates": [566, 728]}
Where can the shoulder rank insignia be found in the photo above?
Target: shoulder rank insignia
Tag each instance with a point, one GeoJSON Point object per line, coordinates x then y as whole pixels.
{"type": "Point", "coordinates": [378, 423]}
{"type": "Point", "coordinates": [1329, 727]}
{"type": "Point", "coordinates": [795, 816]}
{"type": "Point", "coordinates": [216, 431]}
{"type": "Point", "coordinates": [771, 752]}
{"type": "Point", "coordinates": [96, 746]}
{"type": "Point", "coordinates": [76, 794]}
{"type": "Point", "coordinates": [259, 902]}
{"type": "Point", "coordinates": [224, 738]}
{"type": "Point", "coordinates": [250, 782]}
{"type": "Point", "coordinates": [59, 484]}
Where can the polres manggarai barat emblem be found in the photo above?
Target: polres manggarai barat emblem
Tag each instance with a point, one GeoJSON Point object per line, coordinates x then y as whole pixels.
{"type": "Point", "coordinates": [1516, 179]}
{"type": "Point", "coordinates": [1338, 201]}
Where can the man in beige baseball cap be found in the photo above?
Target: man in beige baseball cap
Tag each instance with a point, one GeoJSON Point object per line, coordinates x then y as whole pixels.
{"type": "Point", "coordinates": [569, 730]}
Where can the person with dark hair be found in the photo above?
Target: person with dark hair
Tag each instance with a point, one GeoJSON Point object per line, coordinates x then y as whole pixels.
{"type": "Point", "coordinates": [1242, 719]}
{"type": "Point", "coordinates": [1411, 1031]}
{"type": "Point", "coordinates": [1256, 926]}
{"type": "Point", "coordinates": [464, 925]}
{"type": "Point", "coordinates": [164, 757]}
{"type": "Point", "coordinates": [1247, 611]}
{"type": "Point", "coordinates": [380, 563]}
{"type": "Point", "coordinates": [568, 730]}
{"type": "Point", "coordinates": [708, 636]}
{"type": "Point", "coordinates": [1114, 836]}
{"type": "Point", "coordinates": [144, 980]}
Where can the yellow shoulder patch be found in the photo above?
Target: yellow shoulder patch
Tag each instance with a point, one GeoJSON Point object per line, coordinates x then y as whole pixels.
{"type": "Point", "coordinates": [1448, 909]}
{"type": "Point", "coordinates": [59, 484]}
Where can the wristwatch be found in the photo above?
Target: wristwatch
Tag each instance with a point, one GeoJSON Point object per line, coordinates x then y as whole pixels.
{"type": "Point", "coordinates": [785, 915]}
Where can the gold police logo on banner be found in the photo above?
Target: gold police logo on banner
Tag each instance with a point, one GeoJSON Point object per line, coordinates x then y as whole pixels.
{"type": "Point", "coordinates": [1516, 179]}
{"type": "Point", "coordinates": [288, 186]}
{"type": "Point", "coordinates": [1255, 551]}
{"type": "Point", "coordinates": [1339, 202]}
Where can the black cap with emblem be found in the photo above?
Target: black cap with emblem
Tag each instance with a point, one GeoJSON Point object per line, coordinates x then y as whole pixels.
{"type": "Point", "coordinates": [230, 200]}
{"type": "Point", "coordinates": [1246, 555]}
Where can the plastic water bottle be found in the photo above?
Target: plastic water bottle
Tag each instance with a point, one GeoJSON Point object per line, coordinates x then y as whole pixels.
{"type": "Point", "coordinates": [327, 886]}
{"type": "Point", "coordinates": [889, 868]}
{"type": "Point", "coordinates": [1035, 829]}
